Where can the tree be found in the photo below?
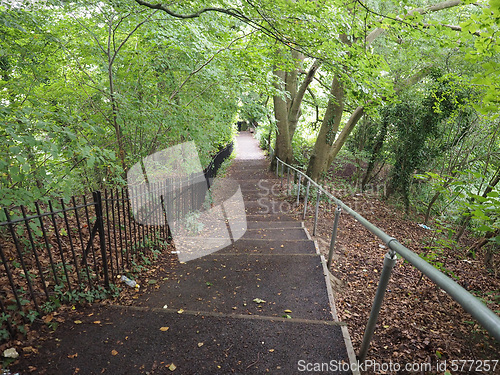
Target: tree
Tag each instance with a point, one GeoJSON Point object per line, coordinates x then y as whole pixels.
{"type": "Point", "coordinates": [287, 106]}
{"type": "Point", "coordinates": [81, 102]}
{"type": "Point", "coordinates": [368, 70]}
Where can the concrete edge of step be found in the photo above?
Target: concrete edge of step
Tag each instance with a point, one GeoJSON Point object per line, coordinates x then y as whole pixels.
{"type": "Point", "coordinates": [307, 234]}
{"type": "Point", "coordinates": [278, 228]}
{"type": "Point", "coordinates": [216, 314]}
{"type": "Point", "coordinates": [345, 331]}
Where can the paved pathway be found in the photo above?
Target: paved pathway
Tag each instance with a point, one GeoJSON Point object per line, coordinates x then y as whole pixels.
{"type": "Point", "coordinates": [262, 305]}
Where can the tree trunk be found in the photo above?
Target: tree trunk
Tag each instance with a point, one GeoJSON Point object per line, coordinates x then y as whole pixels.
{"type": "Point", "coordinates": [283, 149]}
{"type": "Point", "coordinates": [375, 153]}
{"type": "Point", "coordinates": [297, 96]}
{"type": "Point", "coordinates": [287, 111]}
{"type": "Point", "coordinates": [112, 99]}
{"type": "Point", "coordinates": [325, 152]}
{"type": "Point", "coordinates": [327, 132]}
{"type": "Point", "coordinates": [483, 241]}
{"type": "Point", "coordinates": [344, 134]}
{"type": "Point", "coordinates": [116, 125]}
{"type": "Point", "coordinates": [436, 196]}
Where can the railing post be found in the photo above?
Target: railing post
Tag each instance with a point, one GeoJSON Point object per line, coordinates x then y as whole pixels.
{"type": "Point", "coordinates": [318, 195]}
{"type": "Point", "coordinates": [277, 167]}
{"type": "Point", "coordinates": [334, 236]}
{"type": "Point", "coordinates": [305, 201]}
{"type": "Point", "coordinates": [287, 179]}
{"type": "Point", "coordinates": [389, 262]}
{"type": "Point", "coordinates": [102, 239]}
{"type": "Point", "coordinates": [282, 173]}
{"type": "Point", "coordinates": [298, 190]}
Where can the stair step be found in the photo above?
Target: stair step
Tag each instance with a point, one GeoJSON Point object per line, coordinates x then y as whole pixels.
{"type": "Point", "coordinates": [273, 224]}
{"type": "Point", "coordinates": [266, 206]}
{"type": "Point", "coordinates": [271, 246]}
{"type": "Point", "coordinates": [229, 283]}
{"type": "Point", "coordinates": [276, 234]}
{"type": "Point", "coordinates": [195, 343]}
{"type": "Point", "coordinates": [270, 217]}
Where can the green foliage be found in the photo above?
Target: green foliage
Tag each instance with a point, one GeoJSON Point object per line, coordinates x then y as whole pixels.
{"type": "Point", "coordinates": [64, 78]}
{"type": "Point", "coordinates": [416, 120]}
{"type": "Point", "coordinates": [253, 109]}
{"type": "Point", "coordinates": [485, 213]}
{"type": "Point", "coordinates": [463, 189]}
{"type": "Point", "coordinates": [440, 247]}
{"type": "Point", "coordinates": [302, 146]}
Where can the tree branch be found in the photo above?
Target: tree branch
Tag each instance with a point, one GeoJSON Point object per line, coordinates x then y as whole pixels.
{"type": "Point", "coordinates": [128, 36]}
{"type": "Point", "coordinates": [297, 100]}
{"type": "Point", "coordinates": [315, 104]}
{"type": "Point", "coordinates": [433, 8]}
{"type": "Point", "coordinates": [200, 94]}
{"type": "Point", "coordinates": [452, 27]}
{"type": "Point", "coordinates": [269, 31]}
{"type": "Point", "coordinates": [176, 91]}
{"type": "Point", "coordinates": [185, 16]}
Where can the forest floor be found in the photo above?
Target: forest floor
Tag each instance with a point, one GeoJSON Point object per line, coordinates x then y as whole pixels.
{"type": "Point", "coordinates": [418, 323]}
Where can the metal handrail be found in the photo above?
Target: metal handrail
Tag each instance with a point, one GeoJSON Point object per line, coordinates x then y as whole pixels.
{"type": "Point", "coordinates": [486, 317]}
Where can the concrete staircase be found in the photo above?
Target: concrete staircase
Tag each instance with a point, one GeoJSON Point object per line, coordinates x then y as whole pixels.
{"type": "Point", "coordinates": [262, 305]}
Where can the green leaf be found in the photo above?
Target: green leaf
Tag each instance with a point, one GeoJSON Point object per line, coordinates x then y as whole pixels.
{"type": "Point", "coordinates": [485, 228]}
{"type": "Point", "coordinates": [91, 161]}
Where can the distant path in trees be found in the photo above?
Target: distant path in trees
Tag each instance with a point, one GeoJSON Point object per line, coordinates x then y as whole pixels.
{"type": "Point", "coordinates": [247, 148]}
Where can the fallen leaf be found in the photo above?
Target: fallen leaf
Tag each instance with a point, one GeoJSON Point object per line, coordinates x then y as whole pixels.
{"type": "Point", "coordinates": [172, 367]}
{"type": "Point", "coordinates": [164, 329]}
{"type": "Point", "coordinates": [73, 355]}
{"type": "Point", "coordinates": [200, 344]}
{"type": "Point", "coordinates": [258, 300]}
{"type": "Point", "coordinates": [180, 311]}
{"type": "Point", "coordinates": [114, 352]}
{"type": "Point", "coordinates": [97, 322]}
{"type": "Point", "coordinates": [288, 311]}
{"type": "Point", "coordinates": [271, 350]}
{"type": "Point", "coordinates": [77, 322]}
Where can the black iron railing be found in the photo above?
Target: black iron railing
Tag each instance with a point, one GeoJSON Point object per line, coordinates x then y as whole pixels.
{"type": "Point", "coordinates": [73, 250]}
{"type": "Point", "coordinates": [67, 252]}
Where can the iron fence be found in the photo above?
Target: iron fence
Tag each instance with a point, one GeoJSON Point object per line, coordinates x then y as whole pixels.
{"type": "Point", "coordinates": [66, 251]}
{"type": "Point", "coordinates": [73, 250]}
{"type": "Point", "coordinates": [211, 170]}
